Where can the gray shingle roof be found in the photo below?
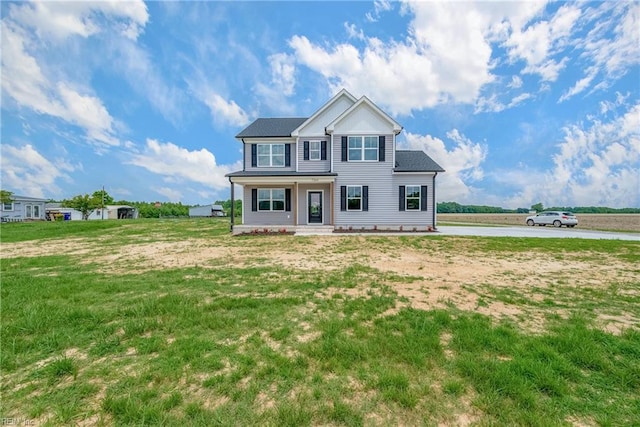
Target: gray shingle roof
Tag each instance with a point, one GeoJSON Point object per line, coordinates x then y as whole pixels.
{"type": "Point", "coordinates": [415, 161]}
{"type": "Point", "coordinates": [271, 127]}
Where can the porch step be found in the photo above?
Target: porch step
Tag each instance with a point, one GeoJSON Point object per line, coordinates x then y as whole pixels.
{"type": "Point", "coordinates": [314, 231]}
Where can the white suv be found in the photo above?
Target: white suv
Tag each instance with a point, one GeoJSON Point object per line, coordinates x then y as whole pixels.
{"type": "Point", "coordinates": [555, 218]}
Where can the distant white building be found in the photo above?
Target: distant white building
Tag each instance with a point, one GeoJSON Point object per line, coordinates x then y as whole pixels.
{"type": "Point", "coordinates": [206, 211]}
{"type": "Point", "coordinates": [114, 212]}
{"type": "Point", "coordinates": [54, 210]}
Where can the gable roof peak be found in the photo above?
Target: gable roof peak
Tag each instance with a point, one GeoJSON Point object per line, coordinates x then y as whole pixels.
{"type": "Point", "coordinates": [397, 128]}
{"type": "Point", "coordinates": [343, 93]}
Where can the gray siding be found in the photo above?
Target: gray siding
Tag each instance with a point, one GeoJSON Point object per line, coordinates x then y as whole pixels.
{"type": "Point", "coordinates": [383, 191]}
{"type": "Point", "coordinates": [247, 160]}
{"type": "Point", "coordinates": [261, 217]}
{"type": "Point", "coordinates": [313, 165]}
{"type": "Point", "coordinates": [303, 200]}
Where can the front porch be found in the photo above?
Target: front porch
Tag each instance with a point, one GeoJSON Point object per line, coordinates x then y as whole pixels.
{"type": "Point", "coordinates": [291, 202]}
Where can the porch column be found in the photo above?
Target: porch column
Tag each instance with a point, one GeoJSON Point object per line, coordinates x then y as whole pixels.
{"type": "Point", "coordinates": [331, 203]}
{"type": "Point", "coordinates": [295, 203]}
{"type": "Point", "coordinates": [232, 204]}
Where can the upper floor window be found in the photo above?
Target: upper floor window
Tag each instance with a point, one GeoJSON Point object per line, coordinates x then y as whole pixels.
{"type": "Point", "coordinates": [270, 155]}
{"type": "Point", "coordinates": [363, 148]}
{"type": "Point", "coordinates": [314, 150]}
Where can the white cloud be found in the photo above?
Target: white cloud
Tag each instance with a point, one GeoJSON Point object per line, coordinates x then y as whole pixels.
{"type": "Point", "coordinates": [28, 173]}
{"type": "Point", "coordinates": [463, 163]}
{"type": "Point", "coordinates": [447, 56]}
{"type": "Point", "coordinates": [281, 85]}
{"type": "Point", "coordinates": [80, 18]}
{"type": "Point", "coordinates": [516, 82]}
{"type": "Point", "coordinates": [179, 165]}
{"type": "Point", "coordinates": [225, 112]}
{"type": "Point", "coordinates": [170, 193]}
{"type": "Point", "coordinates": [612, 46]}
{"type": "Point", "coordinates": [597, 164]}
{"type": "Point", "coordinates": [26, 36]}
{"type": "Point", "coordinates": [379, 6]}
{"type": "Point", "coordinates": [536, 43]}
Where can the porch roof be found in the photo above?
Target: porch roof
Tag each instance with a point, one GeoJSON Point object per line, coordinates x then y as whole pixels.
{"type": "Point", "coordinates": [267, 177]}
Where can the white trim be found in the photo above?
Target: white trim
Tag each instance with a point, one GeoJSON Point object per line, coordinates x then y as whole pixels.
{"type": "Point", "coordinates": [406, 208]}
{"type": "Point", "coordinates": [311, 141]}
{"type": "Point", "coordinates": [347, 199]}
{"type": "Point", "coordinates": [397, 128]}
{"type": "Point", "coordinates": [332, 157]}
{"type": "Point", "coordinates": [271, 199]}
{"type": "Point", "coordinates": [363, 148]}
{"type": "Point", "coordinates": [271, 165]}
{"type": "Point", "coordinates": [270, 180]}
{"type": "Point", "coordinates": [307, 205]}
{"type": "Point", "coordinates": [343, 92]}
{"type": "Point", "coordinates": [11, 209]}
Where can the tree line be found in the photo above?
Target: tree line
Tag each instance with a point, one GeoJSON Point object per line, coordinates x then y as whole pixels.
{"type": "Point", "coordinates": [453, 207]}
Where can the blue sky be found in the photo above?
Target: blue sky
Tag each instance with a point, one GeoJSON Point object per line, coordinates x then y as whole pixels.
{"type": "Point", "coordinates": [520, 102]}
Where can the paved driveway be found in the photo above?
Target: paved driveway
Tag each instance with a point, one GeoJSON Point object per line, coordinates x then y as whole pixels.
{"type": "Point", "coordinates": [534, 232]}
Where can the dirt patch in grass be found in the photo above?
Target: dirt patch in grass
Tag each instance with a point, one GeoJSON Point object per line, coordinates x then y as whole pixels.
{"type": "Point", "coordinates": [525, 287]}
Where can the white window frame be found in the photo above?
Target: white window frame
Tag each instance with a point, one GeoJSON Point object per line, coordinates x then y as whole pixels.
{"type": "Point", "coordinates": [407, 198]}
{"type": "Point", "coordinates": [271, 199]}
{"type": "Point", "coordinates": [36, 211]}
{"type": "Point", "coordinates": [28, 209]}
{"type": "Point", "coordinates": [365, 144]}
{"type": "Point", "coordinates": [271, 156]}
{"type": "Point", "coordinates": [5, 208]}
{"type": "Point", "coordinates": [315, 150]}
{"type": "Point", "coordinates": [349, 187]}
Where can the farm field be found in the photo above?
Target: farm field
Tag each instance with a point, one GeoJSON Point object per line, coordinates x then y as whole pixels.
{"type": "Point", "coordinates": [608, 222]}
{"type": "Point", "coordinates": [165, 322]}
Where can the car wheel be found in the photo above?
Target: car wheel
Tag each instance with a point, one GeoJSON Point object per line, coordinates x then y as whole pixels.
{"type": "Point", "coordinates": [557, 223]}
{"type": "Point", "coordinates": [530, 222]}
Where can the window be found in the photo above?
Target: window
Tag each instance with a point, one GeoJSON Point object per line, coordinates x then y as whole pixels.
{"type": "Point", "coordinates": [270, 155]}
{"type": "Point", "coordinates": [271, 199]}
{"type": "Point", "coordinates": [314, 150]}
{"type": "Point", "coordinates": [7, 206]}
{"type": "Point", "coordinates": [354, 198]}
{"type": "Point", "coordinates": [36, 211]}
{"type": "Point", "coordinates": [363, 148]}
{"type": "Point", "coordinates": [28, 211]}
{"type": "Point", "coordinates": [412, 199]}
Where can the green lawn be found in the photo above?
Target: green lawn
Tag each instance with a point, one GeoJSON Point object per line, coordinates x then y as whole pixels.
{"type": "Point", "coordinates": [231, 342]}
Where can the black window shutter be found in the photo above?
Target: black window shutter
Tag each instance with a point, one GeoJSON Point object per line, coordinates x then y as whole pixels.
{"type": "Point", "coordinates": [381, 148]}
{"type": "Point", "coordinates": [306, 150]}
{"type": "Point", "coordinates": [423, 198]}
{"type": "Point", "coordinates": [343, 198]}
{"type": "Point", "coordinates": [323, 150]}
{"type": "Point", "coordinates": [287, 199]}
{"type": "Point", "coordinates": [344, 148]}
{"type": "Point", "coordinates": [365, 197]}
{"type": "Point", "coordinates": [287, 155]}
{"type": "Point", "coordinates": [254, 155]}
{"type": "Point", "coordinates": [254, 199]}
{"type": "Point", "coordinates": [401, 199]}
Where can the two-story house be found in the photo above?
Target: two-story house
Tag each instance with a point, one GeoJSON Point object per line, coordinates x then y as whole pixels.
{"type": "Point", "coordinates": [337, 169]}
